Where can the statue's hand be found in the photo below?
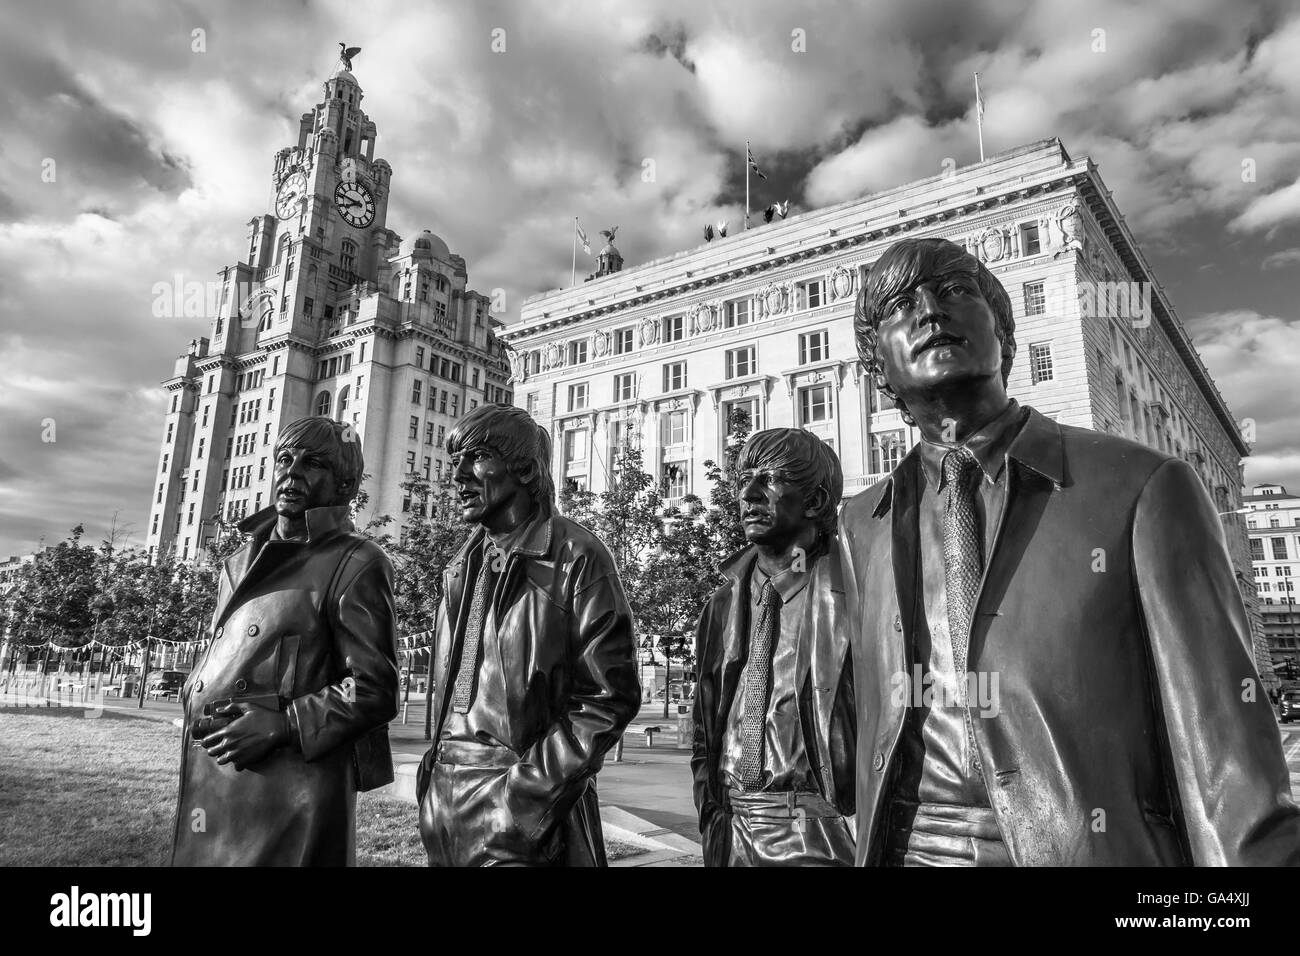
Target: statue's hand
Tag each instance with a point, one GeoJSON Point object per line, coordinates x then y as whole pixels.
{"type": "Point", "coordinates": [253, 732]}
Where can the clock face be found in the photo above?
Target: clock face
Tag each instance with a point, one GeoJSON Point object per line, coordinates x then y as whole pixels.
{"type": "Point", "coordinates": [356, 205]}
{"type": "Point", "coordinates": [290, 194]}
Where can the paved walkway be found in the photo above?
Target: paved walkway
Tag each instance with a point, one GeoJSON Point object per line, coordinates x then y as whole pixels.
{"type": "Point", "coordinates": [644, 797]}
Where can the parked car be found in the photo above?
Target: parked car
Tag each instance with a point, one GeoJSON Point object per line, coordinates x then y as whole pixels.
{"type": "Point", "coordinates": [164, 683]}
{"type": "Point", "coordinates": [1288, 705]}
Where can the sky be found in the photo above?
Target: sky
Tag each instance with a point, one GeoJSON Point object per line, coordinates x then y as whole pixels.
{"type": "Point", "coordinates": [139, 141]}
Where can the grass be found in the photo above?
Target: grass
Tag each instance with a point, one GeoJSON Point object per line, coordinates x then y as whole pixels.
{"type": "Point", "coordinates": [102, 792]}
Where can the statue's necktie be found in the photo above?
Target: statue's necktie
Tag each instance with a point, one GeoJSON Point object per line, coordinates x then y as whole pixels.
{"type": "Point", "coordinates": [758, 687]}
{"type": "Point", "coordinates": [463, 692]}
{"type": "Point", "coordinates": [963, 564]}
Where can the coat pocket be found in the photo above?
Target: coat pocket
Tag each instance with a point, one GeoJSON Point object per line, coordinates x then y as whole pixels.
{"type": "Point", "coordinates": [286, 666]}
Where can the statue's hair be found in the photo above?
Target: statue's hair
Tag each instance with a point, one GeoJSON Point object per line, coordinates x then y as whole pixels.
{"type": "Point", "coordinates": [337, 442]}
{"type": "Point", "coordinates": [513, 434]}
{"type": "Point", "coordinates": [803, 459]}
{"type": "Point", "coordinates": [901, 267]}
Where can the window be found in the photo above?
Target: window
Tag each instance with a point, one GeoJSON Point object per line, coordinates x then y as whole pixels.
{"type": "Point", "coordinates": [473, 382]}
{"type": "Point", "coordinates": [455, 401]}
{"type": "Point", "coordinates": [170, 426]}
{"type": "Point", "coordinates": [813, 347]}
{"type": "Point", "coordinates": [886, 451]}
{"type": "Point", "coordinates": [749, 408]}
{"type": "Point", "coordinates": [266, 435]}
{"type": "Point", "coordinates": [577, 396]}
{"type": "Point", "coordinates": [200, 453]}
{"type": "Point", "coordinates": [813, 294]}
{"type": "Point", "coordinates": [1279, 549]}
{"type": "Point", "coordinates": [741, 361]}
{"type": "Point", "coordinates": [417, 391]}
{"type": "Point", "coordinates": [348, 255]}
{"type": "Point", "coordinates": [674, 376]}
{"type": "Point", "coordinates": [674, 328]}
{"type": "Point", "coordinates": [624, 387]}
{"type": "Point", "coordinates": [622, 341]}
{"type": "Point", "coordinates": [261, 469]}
{"type": "Point", "coordinates": [160, 493]}
{"type": "Point", "coordinates": [419, 356]}
{"type": "Point", "coordinates": [674, 479]}
{"type": "Point", "coordinates": [428, 433]}
{"type": "Point", "coordinates": [815, 404]}
{"type": "Point", "coordinates": [344, 393]}
{"type": "Point", "coordinates": [1040, 362]}
{"type": "Point", "coordinates": [530, 404]}
{"type": "Point", "coordinates": [575, 451]}
{"type": "Point", "coordinates": [1035, 298]}
{"type": "Point", "coordinates": [428, 468]}
{"type": "Point", "coordinates": [736, 312]}
{"type": "Point", "coordinates": [414, 430]}
{"type": "Point", "coordinates": [578, 352]}
{"type": "Point", "coordinates": [877, 401]}
{"type": "Point", "coordinates": [1274, 523]}
{"type": "Point", "coordinates": [1029, 242]}
{"type": "Point", "coordinates": [165, 457]}
{"type": "Point", "coordinates": [442, 435]}
{"type": "Point", "coordinates": [675, 428]}
{"type": "Point", "coordinates": [323, 404]}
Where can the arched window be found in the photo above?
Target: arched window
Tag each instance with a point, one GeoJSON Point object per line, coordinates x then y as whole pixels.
{"type": "Point", "coordinates": [323, 403]}
{"type": "Point", "coordinates": [343, 401]}
{"type": "Point", "coordinates": [347, 255]}
{"type": "Point", "coordinates": [282, 249]}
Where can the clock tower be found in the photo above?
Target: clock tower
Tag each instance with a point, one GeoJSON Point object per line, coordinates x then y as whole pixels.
{"type": "Point", "coordinates": [327, 312]}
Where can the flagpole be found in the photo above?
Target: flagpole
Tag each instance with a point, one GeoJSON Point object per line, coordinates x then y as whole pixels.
{"type": "Point", "coordinates": [746, 184]}
{"type": "Point", "coordinates": [979, 115]}
{"type": "Point", "coordinates": [573, 272]}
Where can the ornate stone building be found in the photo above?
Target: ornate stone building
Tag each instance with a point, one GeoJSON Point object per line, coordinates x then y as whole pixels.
{"type": "Point", "coordinates": [762, 320]}
{"type": "Point", "coordinates": [327, 313]}
{"type": "Point", "coordinates": [1273, 525]}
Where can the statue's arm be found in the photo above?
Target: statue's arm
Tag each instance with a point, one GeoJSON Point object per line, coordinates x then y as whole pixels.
{"type": "Point", "coordinates": [1222, 741]}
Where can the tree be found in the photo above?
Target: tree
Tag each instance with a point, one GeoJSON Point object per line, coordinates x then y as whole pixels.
{"type": "Point", "coordinates": [723, 518]}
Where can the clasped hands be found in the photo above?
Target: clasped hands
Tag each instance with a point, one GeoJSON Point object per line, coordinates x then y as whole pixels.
{"type": "Point", "coordinates": [243, 733]}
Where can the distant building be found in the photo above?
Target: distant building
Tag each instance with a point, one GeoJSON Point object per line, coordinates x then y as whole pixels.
{"type": "Point", "coordinates": [762, 320]}
{"type": "Point", "coordinates": [327, 313]}
{"type": "Point", "coordinates": [1273, 526]}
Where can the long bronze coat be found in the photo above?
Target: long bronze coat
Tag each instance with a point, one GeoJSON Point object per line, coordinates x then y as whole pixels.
{"type": "Point", "coordinates": [1132, 728]}
{"type": "Point", "coordinates": [562, 622]}
{"type": "Point", "coordinates": [825, 680]}
{"type": "Point", "coordinates": [311, 624]}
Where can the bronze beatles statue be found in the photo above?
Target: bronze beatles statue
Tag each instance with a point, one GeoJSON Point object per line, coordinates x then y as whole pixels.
{"type": "Point", "coordinates": [286, 714]}
{"type": "Point", "coordinates": [773, 756]}
{"type": "Point", "coordinates": [1018, 702]}
{"type": "Point", "coordinates": [534, 664]}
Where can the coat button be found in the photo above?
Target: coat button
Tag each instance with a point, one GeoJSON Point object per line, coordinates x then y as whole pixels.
{"type": "Point", "coordinates": [878, 761]}
{"type": "Point", "coordinates": [241, 685]}
{"type": "Point", "coordinates": [252, 630]}
{"type": "Point", "coordinates": [218, 632]}
{"type": "Point", "coordinates": [898, 623]}
{"type": "Point", "coordinates": [198, 687]}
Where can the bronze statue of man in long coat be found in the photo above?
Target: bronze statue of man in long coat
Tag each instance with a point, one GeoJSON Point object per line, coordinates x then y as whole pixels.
{"type": "Point", "coordinates": [286, 714]}
{"type": "Point", "coordinates": [534, 664]}
{"type": "Point", "coordinates": [1052, 660]}
{"type": "Point", "coordinates": [775, 730]}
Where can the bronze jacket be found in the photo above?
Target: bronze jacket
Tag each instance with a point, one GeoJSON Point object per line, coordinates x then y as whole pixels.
{"type": "Point", "coordinates": [1131, 728]}
{"type": "Point", "coordinates": [826, 704]}
{"type": "Point", "coordinates": [309, 624]}
{"type": "Point", "coordinates": [562, 619]}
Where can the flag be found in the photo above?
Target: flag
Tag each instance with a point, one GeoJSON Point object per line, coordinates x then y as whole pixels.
{"type": "Point", "coordinates": [753, 164]}
{"type": "Point", "coordinates": [979, 100]}
{"type": "Point", "coordinates": [582, 238]}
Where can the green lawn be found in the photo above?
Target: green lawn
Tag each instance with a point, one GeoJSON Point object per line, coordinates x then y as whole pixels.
{"type": "Point", "coordinates": [101, 792]}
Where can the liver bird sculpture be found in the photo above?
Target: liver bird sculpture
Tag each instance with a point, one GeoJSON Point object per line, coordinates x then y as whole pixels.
{"type": "Point", "coordinates": [346, 53]}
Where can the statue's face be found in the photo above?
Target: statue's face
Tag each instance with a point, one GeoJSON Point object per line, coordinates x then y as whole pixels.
{"type": "Point", "coordinates": [485, 484]}
{"type": "Point", "coordinates": [772, 509]}
{"type": "Point", "coordinates": [303, 479]}
{"type": "Point", "coordinates": [939, 332]}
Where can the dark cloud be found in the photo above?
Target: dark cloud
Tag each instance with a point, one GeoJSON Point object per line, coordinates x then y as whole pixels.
{"type": "Point", "coordinates": [671, 41]}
